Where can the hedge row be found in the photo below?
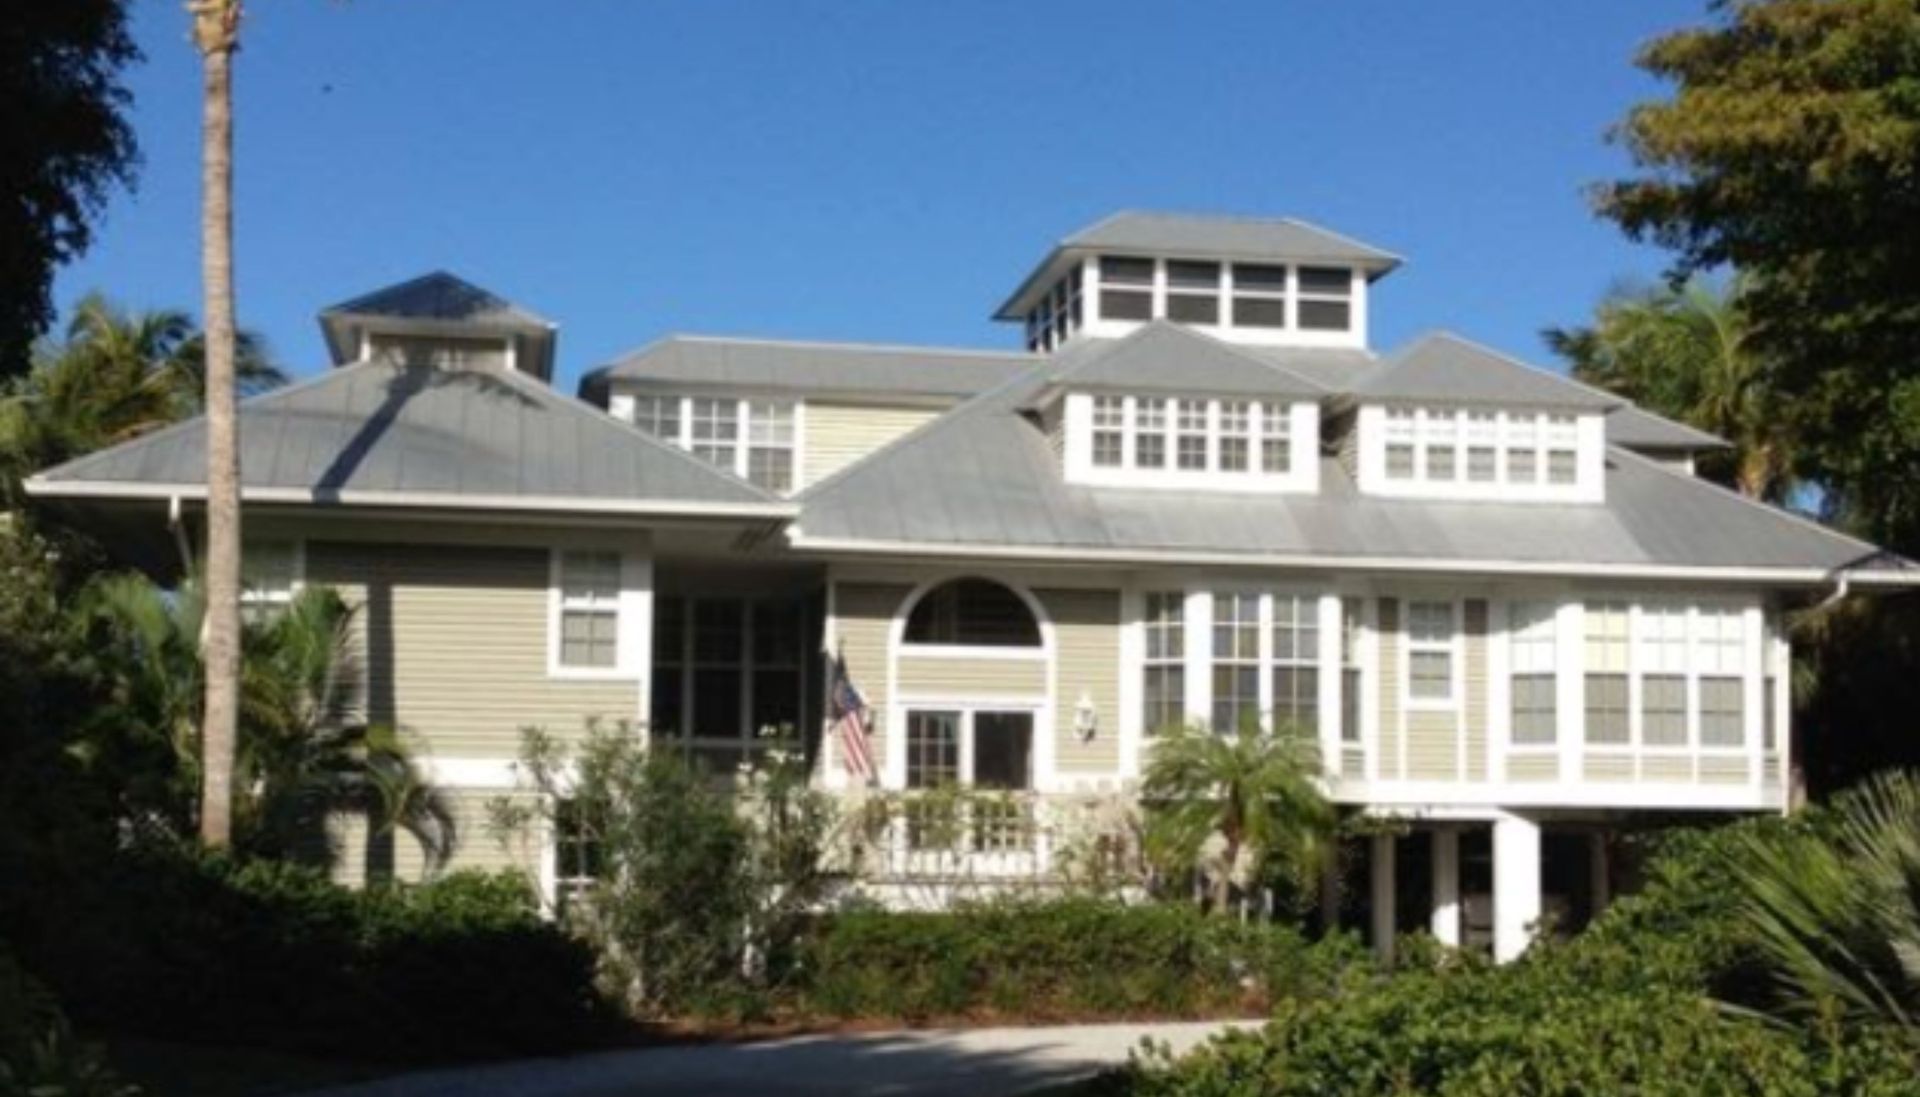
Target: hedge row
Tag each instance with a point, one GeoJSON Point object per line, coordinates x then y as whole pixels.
{"type": "Point", "coordinates": [1063, 959]}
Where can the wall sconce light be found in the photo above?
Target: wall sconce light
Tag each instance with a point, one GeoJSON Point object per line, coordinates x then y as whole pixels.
{"type": "Point", "coordinates": [1086, 718]}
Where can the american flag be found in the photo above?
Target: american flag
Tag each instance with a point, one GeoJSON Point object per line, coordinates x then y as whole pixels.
{"type": "Point", "coordinates": [850, 715]}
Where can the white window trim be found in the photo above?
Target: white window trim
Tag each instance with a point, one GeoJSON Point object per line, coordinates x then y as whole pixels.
{"type": "Point", "coordinates": [256, 598]}
{"type": "Point", "coordinates": [1510, 669]}
{"type": "Point", "coordinates": [1589, 451]}
{"type": "Point", "coordinates": [622, 405]}
{"type": "Point", "coordinates": [1355, 335]}
{"type": "Point", "coordinates": [686, 666]}
{"type": "Point", "coordinates": [1452, 647]}
{"type": "Point", "coordinates": [633, 618]}
{"type": "Point", "coordinates": [1303, 437]}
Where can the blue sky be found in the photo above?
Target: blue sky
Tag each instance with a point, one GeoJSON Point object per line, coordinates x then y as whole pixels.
{"type": "Point", "coordinates": [878, 170]}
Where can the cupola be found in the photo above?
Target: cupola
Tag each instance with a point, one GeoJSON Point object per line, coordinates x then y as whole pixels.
{"type": "Point", "coordinates": [440, 319]}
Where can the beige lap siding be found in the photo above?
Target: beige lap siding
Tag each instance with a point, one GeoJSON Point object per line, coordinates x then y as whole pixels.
{"type": "Point", "coordinates": [1661, 767]}
{"type": "Point", "coordinates": [1724, 770]}
{"type": "Point", "coordinates": [1389, 744]}
{"type": "Point", "coordinates": [1476, 675]}
{"type": "Point", "coordinates": [840, 434]}
{"type": "Point", "coordinates": [1533, 767]}
{"type": "Point", "coordinates": [1086, 630]}
{"type": "Point", "coordinates": [935, 676]}
{"type": "Point", "coordinates": [454, 645]}
{"type": "Point", "coordinates": [476, 845]}
{"type": "Point", "coordinates": [863, 617]}
{"type": "Point", "coordinates": [1433, 745]}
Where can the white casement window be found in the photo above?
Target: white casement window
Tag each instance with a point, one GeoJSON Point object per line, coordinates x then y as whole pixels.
{"type": "Point", "coordinates": [1482, 438]}
{"type": "Point", "coordinates": [1606, 679]}
{"type": "Point", "coordinates": [1351, 682]}
{"type": "Point", "coordinates": [1295, 670]}
{"type": "Point", "coordinates": [269, 578]}
{"type": "Point", "coordinates": [1431, 640]}
{"type": "Point", "coordinates": [1522, 449]}
{"type": "Point", "coordinates": [1259, 296]}
{"type": "Point", "coordinates": [1326, 298]}
{"type": "Point", "coordinates": [1191, 435]}
{"type": "Point", "coordinates": [1720, 657]}
{"type": "Point", "coordinates": [1163, 693]}
{"type": "Point", "coordinates": [587, 611]}
{"type": "Point", "coordinates": [1533, 646]}
{"type": "Point", "coordinates": [1193, 292]}
{"type": "Point", "coordinates": [1402, 434]}
{"type": "Point", "coordinates": [1562, 447]}
{"type": "Point", "coordinates": [1149, 432]}
{"type": "Point", "coordinates": [1440, 446]}
{"type": "Point", "coordinates": [1236, 660]}
{"type": "Point", "coordinates": [726, 669]}
{"type": "Point", "coordinates": [1276, 439]}
{"type": "Point", "coordinates": [1110, 431]}
{"type": "Point", "coordinates": [1478, 453]}
{"type": "Point", "coordinates": [1236, 435]}
{"type": "Point", "coordinates": [755, 439]}
{"type": "Point", "coordinates": [1126, 288]}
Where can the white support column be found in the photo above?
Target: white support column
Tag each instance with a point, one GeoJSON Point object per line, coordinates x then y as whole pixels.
{"type": "Point", "coordinates": [1383, 896]}
{"type": "Point", "coordinates": [1328, 682]}
{"type": "Point", "coordinates": [1446, 887]}
{"type": "Point", "coordinates": [1516, 885]}
{"type": "Point", "coordinates": [1199, 636]}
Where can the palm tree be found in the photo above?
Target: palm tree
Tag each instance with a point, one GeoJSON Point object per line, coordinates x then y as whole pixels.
{"type": "Point", "coordinates": [115, 375]}
{"type": "Point", "coordinates": [216, 33]}
{"type": "Point", "coordinates": [301, 748]}
{"type": "Point", "coordinates": [1686, 353]}
{"type": "Point", "coordinates": [1835, 907]}
{"type": "Point", "coordinates": [1252, 795]}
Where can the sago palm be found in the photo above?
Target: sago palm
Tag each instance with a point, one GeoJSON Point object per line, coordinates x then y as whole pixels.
{"type": "Point", "coordinates": [1835, 907]}
{"type": "Point", "coordinates": [1231, 802]}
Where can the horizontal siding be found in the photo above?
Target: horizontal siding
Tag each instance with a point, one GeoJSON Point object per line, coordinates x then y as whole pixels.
{"type": "Point", "coordinates": [935, 676]}
{"type": "Point", "coordinates": [1476, 677]}
{"type": "Point", "coordinates": [1389, 745]}
{"type": "Point", "coordinates": [451, 644]}
{"type": "Point", "coordinates": [1721, 770]}
{"type": "Point", "coordinates": [840, 434]}
{"type": "Point", "coordinates": [1087, 639]}
{"type": "Point", "coordinates": [1533, 767]}
{"type": "Point", "coordinates": [1656, 767]}
{"type": "Point", "coordinates": [399, 856]}
{"type": "Point", "coordinates": [1433, 746]}
{"type": "Point", "coordinates": [1608, 767]}
{"type": "Point", "coordinates": [863, 616]}
{"type": "Point", "coordinates": [1353, 764]}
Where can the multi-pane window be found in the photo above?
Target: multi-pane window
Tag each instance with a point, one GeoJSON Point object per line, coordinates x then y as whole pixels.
{"type": "Point", "coordinates": [1193, 292]}
{"type": "Point", "coordinates": [726, 668]}
{"type": "Point", "coordinates": [1109, 431]}
{"type": "Point", "coordinates": [1402, 434]}
{"type": "Point", "coordinates": [719, 668]}
{"type": "Point", "coordinates": [1607, 714]}
{"type": "Point", "coordinates": [269, 573]}
{"type": "Point", "coordinates": [1562, 438]}
{"type": "Point", "coordinates": [1430, 651]}
{"type": "Point", "coordinates": [1483, 447]}
{"type": "Point", "coordinates": [1480, 447]}
{"type": "Point", "coordinates": [1164, 696]}
{"type": "Point", "coordinates": [1236, 435]}
{"type": "Point", "coordinates": [1769, 702]}
{"type": "Point", "coordinates": [1057, 315]}
{"type": "Point", "coordinates": [1236, 660]}
{"type": "Point", "coordinates": [1126, 288]}
{"type": "Point", "coordinates": [1533, 650]}
{"type": "Point", "coordinates": [770, 437]}
{"type": "Point", "coordinates": [1296, 661]}
{"type": "Point", "coordinates": [1326, 298]}
{"type": "Point", "coordinates": [1150, 432]}
{"type": "Point", "coordinates": [1192, 434]}
{"type": "Point", "coordinates": [1350, 680]}
{"type": "Point", "coordinates": [1721, 655]}
{"type": "Point", "coordinates": [1523, 450]}
{"type": "Point", "coordinates": [589, 610]}
{"type": "Point", "coordinates": [1439, 441]}
{"type": "Point", "coordinates": [1276, 439]}
{"type": "Point", "coordinates": [753, 439]}
{"type": "Point", "coordinates": [658, 416]}
{"type": "Point", "coordinates": [1259, 296]}
{"type": "Point", "coordinates": [715, 427]}
{"type": "Point", "coordinates": [1663, 685]}
{"type": "Point", "coordinates": [933, 748]}
{"type": "Point", "coordinates": [579, 859]}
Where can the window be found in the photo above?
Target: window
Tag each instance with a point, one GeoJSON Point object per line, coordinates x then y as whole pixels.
{"type": "Point", "coordinates": [1479, 447]}
{"type": "Point", "coordinates": [1259, 296]}
{"type": "Point", "coordinates": [1126, 288]}
{"type": "Point", "coordinates": [726, 668]}
{"type": "Point", "coordinates": [1439, 442]}
{"type": "Point", "coordinates": [658, 416]}
{"type": "Point", "coordinates": [1109, 431]}
{"type": "Point", "coordinates": [974, 613]}
{"type": "Point", "coordinates": [1721, 656]}
{"type": "Point", "coordinates": [1193, 292]}
{"type": "Point", "coordinates": [1326, 299]}
{"type": "Point", "coordinates": [671, 639]}
{"type": "Point", "coordinates": [1193, 434]}
{"type": "Point", "coordinates": [1769, 701]}
{"type": "Point", "coordinates": [1430, 651]}
{"type": "Point", "coordinates": [777, 641]}
{"type": "Point", "coordinates": [1236, 428]}
{"type": "Point", "coordinates": [1401, 432]}
{"type": "Point", "coordinates": [1523, 455]}
{"type": "Point", "coordinates": [1562, 439]}
{"type": "Point", "coordinates": [1533, 648]}
{"type": "Point", "coordinates": [1164, 692]}
{"type": "Point", "coordinates": [1663, 664]}
{"type": "Point", "coordinates": [1276, 439]}
{"type": "Point", "coordinates": [1003, 750]}
{"type": "Point", "coordinates": [1057, 315]}
{"type": "Point", "coordinates": [770, 444]}
{"type": "Point", "coordinates": [1606, 673]}
{"type": "Point", "coordinates": [719, 668]}
{"type": "Point", "coordinates": [1296, 661]}
{"type": "Point", "coordinates": [981, 749]}
{"type": "Point", "coordinates": [589, 610]}
{"type": "Point", "coordinates": [269, 576]}
{"type": "Point", "coordinates": [578, 857]}
{"type": "Point", "coordinates": [1722, 715]}
{"type": "Point", "coordinates": [1150, 432]}
{"type": "Point", "coordinates": [1483, 447]}
{"type": "Point", "coordinates": [1350, 680]}
{"type": "Point", "coordinates": [1236, 660]}
{"type": "Point", "coordinates": [716, 430]}
{"type": "Point", "coordinates": [933, 749]}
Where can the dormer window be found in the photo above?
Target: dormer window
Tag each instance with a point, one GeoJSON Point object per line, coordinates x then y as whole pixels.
{"type": "Point", "coordinates": [1259, 296]}
{"type": "Point", "coordinates": [1126, 288]}
{"type": "Point", "coordinates": [1193, 292]}
{"type": "Point", "coordinates": [756, 440]}
{"type": "Point", "coordinates": [1480, 453]}
{"type": "Point", "coordinates": [1226, 443]}
{"type": "Point", "coordinates": [1326, 299]}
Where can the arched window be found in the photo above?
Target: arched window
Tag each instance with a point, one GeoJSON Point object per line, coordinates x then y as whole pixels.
{"type": "Point", "coordinates": [973, 613]}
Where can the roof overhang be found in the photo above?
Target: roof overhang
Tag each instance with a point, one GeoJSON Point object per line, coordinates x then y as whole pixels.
{"type": "Point", "coordinates": [1855, 577]}
{"type": "Point", "coordinates": [343, 331]}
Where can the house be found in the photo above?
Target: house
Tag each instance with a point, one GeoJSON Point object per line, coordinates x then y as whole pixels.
{"type": "Point", "coordinates": [1510, 612]}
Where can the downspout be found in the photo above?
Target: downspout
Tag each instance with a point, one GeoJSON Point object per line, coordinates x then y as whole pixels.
{"type": "Point", "coordinates": [1840, 590]}
{"type": "Point", "coordinates": [179, 529]}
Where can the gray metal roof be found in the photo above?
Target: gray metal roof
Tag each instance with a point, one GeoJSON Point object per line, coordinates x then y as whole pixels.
{"type": "Point", "coordinates": [381, 432]}
{"type": "Point", "coordinates": [1000, 486]}
{"type": "Point", "coordinates": [813, 368]}
{"type": "Point", "coordinates": [1444, 368]}
{"type": "Point", "coordinates": [440, 295]}
{"type": "Point", "coordinates": [1164, 357]}
{"type": "Point", "coordinates": [1637, 428]}
{"type": "Point", "coordinates": [1200, 236]}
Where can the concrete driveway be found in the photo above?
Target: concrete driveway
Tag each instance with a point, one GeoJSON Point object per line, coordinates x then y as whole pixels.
{"type": "Point", "coordinates": [996, 1062]}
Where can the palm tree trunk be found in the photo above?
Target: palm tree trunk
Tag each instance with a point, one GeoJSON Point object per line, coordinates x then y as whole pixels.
{"type": "Point", "coordinates": [215, 32]}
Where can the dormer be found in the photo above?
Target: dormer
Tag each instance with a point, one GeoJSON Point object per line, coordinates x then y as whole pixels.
{"type": "Point", "coordinates": [1166, 408]}
{"type": "Point", "coordinates": [1240, 280]}
{"type": "Point", "coordinates": [440, 319]}
{"type": "Point", "coordinates": [1449, 419]}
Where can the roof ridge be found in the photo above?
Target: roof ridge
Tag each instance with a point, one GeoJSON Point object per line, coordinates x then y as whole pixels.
{"type": "Point", "coordinates": [514, 308]}
{"type": "Point", "coordinates": [832, 344]}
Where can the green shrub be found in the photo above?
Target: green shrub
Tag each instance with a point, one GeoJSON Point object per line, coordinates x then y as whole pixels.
{"type": "Point", "coordinates": [39, 1054]}
{"type": "Point", "coordinates": [1057, 959]}
{"type": "Point", "coordinates": [181, 946]}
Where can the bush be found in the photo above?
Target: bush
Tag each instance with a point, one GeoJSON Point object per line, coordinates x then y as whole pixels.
{"type": "Point", "coordinates": [39, 1053]}
{"type": "Point", "coordinates": [1058, 959]}
{"type": "Point", "coordinates": [181, 946]}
